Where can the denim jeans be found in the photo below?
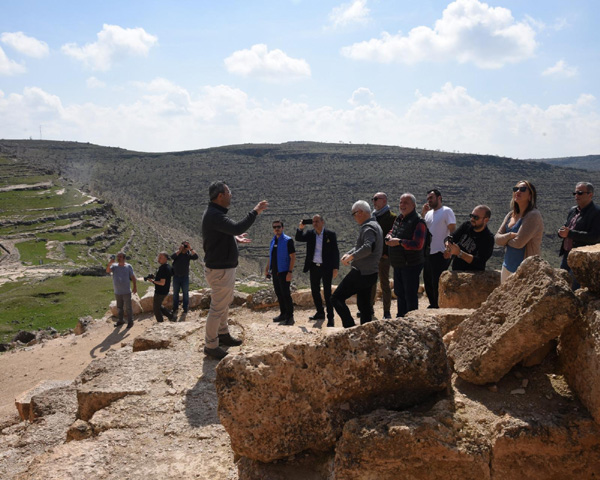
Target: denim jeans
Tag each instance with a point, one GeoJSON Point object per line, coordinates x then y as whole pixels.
{"type": "Point", "coordinates": [183, 284]}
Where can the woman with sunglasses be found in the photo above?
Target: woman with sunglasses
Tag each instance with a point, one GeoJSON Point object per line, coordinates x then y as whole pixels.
{"type": "Point", "coordinates": [522, 229]}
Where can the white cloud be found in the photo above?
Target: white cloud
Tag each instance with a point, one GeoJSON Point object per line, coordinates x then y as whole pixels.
{"type": "Point", "coordinates": [24, 44]}
{"type": "Point", "coordinates": [468, 32]}
{"type": "Point", "coordinates": [349, 14]}
{"type": "Point", "coordinates": [362, 96]}
{"type": "Point", "coordinates": [8, 66]}
{"type": "Point", "coordinates": [113, 43]}
{"type": "Point", "coordinates": [560, 69]}
{"type": "Point", "coordinates": [272, 65]}
{"type": "Point", "coordinates": [164, 116]}
{"type": "Point", "coordinates": [93, 82]}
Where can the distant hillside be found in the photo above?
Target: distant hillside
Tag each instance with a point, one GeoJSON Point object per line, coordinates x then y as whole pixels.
{"type": "Point", "coordinates": [299, 179]}
{"type": "Point", "coordinates": [588, 162]}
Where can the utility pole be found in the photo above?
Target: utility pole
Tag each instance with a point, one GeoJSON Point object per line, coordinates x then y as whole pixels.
{"type": "Point", "coordinates": [40, 132]}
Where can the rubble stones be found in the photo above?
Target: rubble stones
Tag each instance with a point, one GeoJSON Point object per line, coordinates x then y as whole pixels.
{"type": "Point", "coordinates": [467, 289]}
{"type": "Point", "coordinates": [80, 430]}
{"type": "Point", "coordinates": [24, 401]}
{"type": "Point", "coordinates": [531, 308]}
{"type": "Point", "coordinates": [82, 325]}
{"type": "Point", "coordinates": [282, 402]}
{"type": "Point", "coordinates": [579, 352]}
{"type": "Point", "coordinates": [585, 263]}
{"type": "Point", "coordinates": [24, 336]}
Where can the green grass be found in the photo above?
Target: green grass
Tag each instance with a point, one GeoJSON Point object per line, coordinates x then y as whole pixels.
{"type": "Point", "coordinates": [32, 252]}
{"type": "Point", "coordinates": [248, 289]}
{"type": "Point", "coordinates": [56, 302]}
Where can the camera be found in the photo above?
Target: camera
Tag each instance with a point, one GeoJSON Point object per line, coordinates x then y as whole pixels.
{"type": "Point", "coordinates": [149, 277]}
{"type": "Point", "coordinates": [449, 239]}
{"type": "Point", "coordinates": [307, 221]}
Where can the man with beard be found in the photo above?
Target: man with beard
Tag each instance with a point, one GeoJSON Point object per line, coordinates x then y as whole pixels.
{"type": "Point", "coordinates": [471, 244]}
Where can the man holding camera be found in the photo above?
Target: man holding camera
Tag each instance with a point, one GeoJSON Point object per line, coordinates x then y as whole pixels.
{"type": "Point", "coordinates": [471, 244]}
{"type": "Point", "coordinates": [162, 282]}
{"type": "Point", "coordinates": [122, 274]}
{"type": "Point", "coordinates": [322, 262]}
{"type": "Point", "coordinates": [181, 275]}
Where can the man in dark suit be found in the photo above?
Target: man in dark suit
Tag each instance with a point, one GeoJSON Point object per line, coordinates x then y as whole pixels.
{"type": "Point", "coordinates": [322, 261]}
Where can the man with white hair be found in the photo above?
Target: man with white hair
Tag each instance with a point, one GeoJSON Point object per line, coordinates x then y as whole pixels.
{"type": "Point", "coordinates": [364, 259]}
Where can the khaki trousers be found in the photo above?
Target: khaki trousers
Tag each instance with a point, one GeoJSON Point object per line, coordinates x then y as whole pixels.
{"type": "Point", "coordinates": [221, 282]}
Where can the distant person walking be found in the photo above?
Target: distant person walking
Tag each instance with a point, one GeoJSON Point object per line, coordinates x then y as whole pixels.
{"type": "Point", "coordinates": [220, 236]}
{"type": "Point", "coordinates": [162, 284]}
{"type": "Point", "coordinates": [406, 245]}
{"type": "Point", "coordinates": [582, 226]}
{"type": "Point", "coordinates": [122, 275]}
{"type": "Point", "coordinates": [441, 222]}
{"type": "Point", "coordinates": [280, 267]}
{"type": "Point", "coordinates": [385, 218]}
{"type": "Point", "coordinates": [364, 260]}
{"type": "Point", "coordinates": [181, 275]}
{"type": "Point", "coordinates": [472, 244]}
{"type": "Point", "coordinates": [522, 229]}
{"type": "Point", "coordinates": [322, 262]}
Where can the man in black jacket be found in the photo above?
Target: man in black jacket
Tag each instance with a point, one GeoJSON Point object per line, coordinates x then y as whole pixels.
{"type": "Point", "coordinates": [322, 261]}
{"type": "Point", "coordinates": [220, 236]}
{"type": "Point", "coordinates": [181, 275]}
{"type": "Point", "coordinates": [162, 283]}
{"type": "Point", "coordinates": [385, 219]}
{"type": "Point", "coordinates": [582, 226]}
{"type": "Point", "coordinates": [471, 245]}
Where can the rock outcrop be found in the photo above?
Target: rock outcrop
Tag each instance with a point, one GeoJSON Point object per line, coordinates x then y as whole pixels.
{"type": "Point", "coordinates": [33, 403]}
{"type": "Point", "coordinates": [585, 263]}
{"type": "Point", "coordinates": [531, 308]}
{"type": "Point", "coordinates": [467, 289]}
{"type": "Point", "coordinates": [579, 351]}
{"type": "Point", "coordinates": [447, 318]}
{"type": "Point", "coordinates": [297, 398]}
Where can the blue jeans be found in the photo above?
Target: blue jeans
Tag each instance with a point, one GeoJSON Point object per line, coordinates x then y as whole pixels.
{"type": "Point", "coordinates": [406, 288]}
{"type": "Point", "coordinates": [182, 283]}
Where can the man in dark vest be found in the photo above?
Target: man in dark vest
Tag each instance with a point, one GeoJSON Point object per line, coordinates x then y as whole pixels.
{"type": "Point", "coordinates": [582, 226]}
{"type": "Point", "coordinates": [322, 262]}
{"type": "Point", "coordinates": [406, 244]}
{"type": "Point", "coordinates": [282, 256]}
{"type": "Point", "coordinates": [385, 218]}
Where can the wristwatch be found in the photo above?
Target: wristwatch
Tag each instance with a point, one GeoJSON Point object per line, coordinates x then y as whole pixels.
{"type": "Point", "coordinates": [460, 254]}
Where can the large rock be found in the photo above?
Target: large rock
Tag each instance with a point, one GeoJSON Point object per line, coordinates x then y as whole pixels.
{"type": "Point", "coordinates": [467, 289]}
{"type": "Point", "coordinates": [164, 335]}
{"type": "Point", "coordinates": [279, 403]}
{"type": "Point", "coordinates": [25, 402]}
{"type": "Point", "coordinates": [303, 298]}
{"type": "Point", "coordinates": [579, 352]}
{"type": "Point", "coordinates": [447, 318]}
{"type": "Point", "coordinates": [528, 310]}
{"type": "Point", "coordinates": [585, 263]}
{"type": "Point", "coordinates": [136, 306]}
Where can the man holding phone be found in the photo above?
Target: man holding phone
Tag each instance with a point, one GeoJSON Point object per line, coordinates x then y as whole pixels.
{"type": "Point", "coordinates": [322, 261]}
{"type": "Point", "coordinates": [181, 275]}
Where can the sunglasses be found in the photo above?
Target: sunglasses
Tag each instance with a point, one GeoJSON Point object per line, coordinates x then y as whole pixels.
{"type": "Point", "coordinates": [520, 189]}
{"type": "Point", "coordinates": [474, 217]}
{"type": "Point", "coordinates": [579, 192]}
{"type": "Point", "coordinates": [377, 198]}
{"type": "Point", "coordinates": [276, 227]}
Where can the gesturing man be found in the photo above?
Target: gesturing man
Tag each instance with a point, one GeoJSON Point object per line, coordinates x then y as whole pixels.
{"type": "Point", "coordinates": [322, 262]}
{"type": "Point", "coordinates": [582, 226]}
{"type": "Point", "coordinates": [364, 259]}
{"type": "Point", "coordinates": [220, 236]}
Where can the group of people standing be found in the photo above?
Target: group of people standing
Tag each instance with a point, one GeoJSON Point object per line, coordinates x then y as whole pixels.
{"type": "Point", "coordinates": [408, 242]}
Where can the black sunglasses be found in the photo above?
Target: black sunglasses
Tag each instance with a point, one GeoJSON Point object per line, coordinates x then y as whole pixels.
{"type": "Point", "coordinates": [474, 217]}
{"type": "Point", "coordinates": [377, 198]}
{"type": "Point", "coordinates": [579, 192]}
{"type": "Point", "coordinates": [275, 227]}
{"type": "Point", "coordinates": [520, 189]}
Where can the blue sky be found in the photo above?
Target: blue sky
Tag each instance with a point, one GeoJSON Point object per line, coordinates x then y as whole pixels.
{"type": "Point", "coordinates": [509, 77]}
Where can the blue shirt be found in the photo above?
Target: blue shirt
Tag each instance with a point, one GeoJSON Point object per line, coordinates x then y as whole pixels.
{"type": "Point", "coordinates": [318, 256]}
{"type": "Point", "coordinates": [121, 278]}
{"type": "Point", "coordinates": [513, 256]}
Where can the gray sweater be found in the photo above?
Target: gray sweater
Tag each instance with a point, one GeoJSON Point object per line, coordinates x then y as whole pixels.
{"type": "Point", "coordinates": [368, 248]}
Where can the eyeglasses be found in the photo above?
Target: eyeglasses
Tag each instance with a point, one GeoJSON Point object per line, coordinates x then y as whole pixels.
{"type": "Point", "coordinates": [474, 217]}
{"type": "Point", "coordinates": [354, 213]}
{"type": "Point", "coordinates": [520, 189]}
{"type": "Point", "coordinates": [579, 192]}
{"type": "Point", "coordinates": [276, 227]}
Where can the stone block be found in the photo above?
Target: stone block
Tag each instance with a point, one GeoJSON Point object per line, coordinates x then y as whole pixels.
{"type": "Point", "coordinates": [24, 401]}
{"type": "Point", "coordinates": [528, 310]}
{"type": "Point", "coordinates": [447, 318]}
{"type": "Point", "coordinates": [585, 263]}
{"type": "Point", "coordinates": [466, 289]}
{"type": "Point", "coordinates": [135, 306]}
{"type": "Point", "coordinates": [278, 403]}
{"type": "Point", "coordinates": [303, 298]}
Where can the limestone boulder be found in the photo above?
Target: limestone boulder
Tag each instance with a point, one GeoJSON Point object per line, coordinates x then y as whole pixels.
{"type": "Point", "coordinates": [527, 311]}
{"type": "Point", "coordinates": [146, 302]}
{"type": "Point", "coordinates": [25, 402]}
{"type": "Point", "coordinates": [579, 353]}
{"type": "Point", "coordinates": [200, 299]}
{"type": "Point", "coordinates": [447, 318]}
{"type": "Point", "coordinates": [585, 263]}
{"type": "Point", "coordinates": [263, 299]}
{"type": "Point", "coordinates": [164, 335]}
{"type": "Point", "coordinates": [466, 289]}
{"type": "Point", "coordinates": [278, 403]}
{"type": "Point", "coordinates": [303, 298]}
{"type": "Point", "coordinates": [239, 298]}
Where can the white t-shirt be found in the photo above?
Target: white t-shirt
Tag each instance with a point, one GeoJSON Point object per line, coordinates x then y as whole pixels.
{"type": "Point", "coordinates": [437, 222]}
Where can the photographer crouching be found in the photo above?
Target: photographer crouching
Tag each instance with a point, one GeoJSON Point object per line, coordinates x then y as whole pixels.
{"type": "Point", "coordinates": [162, 281]}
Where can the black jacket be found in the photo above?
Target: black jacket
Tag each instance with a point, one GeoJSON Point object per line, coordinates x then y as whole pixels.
{"type": "Point", "coordinates": [587, 227]}
{"type": "Point", "coordinates": [331, 253]}
{"type": "Point", "coordinates": [218, 236]}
